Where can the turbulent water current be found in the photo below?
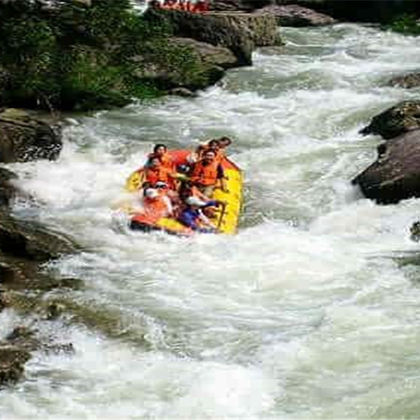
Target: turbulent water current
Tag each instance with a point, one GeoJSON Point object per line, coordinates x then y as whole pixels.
{"type": "Point", "coordinates": [306, 312]}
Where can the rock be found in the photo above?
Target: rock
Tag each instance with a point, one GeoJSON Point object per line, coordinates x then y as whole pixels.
{"type": "Point", "coordinates": [415, 232]}
{"type": "Point", "coordinates": [54, 310]}
{"type": "Point", "coordinates": [7, 190]}
{"type": "Point", "coordinates": [12, 360]}
{"type": "Point", "coordinates": [294, 15]}
{"type": "Point", "coordinates": [209, 54]}
{"type": "Point", "coordinates": [395, 175]}
{"type": "Point", "coordinates": [359, 10]}
{"type": "Point", "coordinates": [235, 5]}
{"type": "Point", "coordinates": [23, 138]}
{"type": "Point", "coordinates": [5, 300]}
{"type": "Point", "coordinates": [29, 240]}
{"type": "Point", "coordinates": [394, 121]}
{"type": "Point", "coordinates": [183, 92]}
{"type": "Point", "coordinates": [239, 32]}
{"type": "Point", "coordinates": [407, 81]}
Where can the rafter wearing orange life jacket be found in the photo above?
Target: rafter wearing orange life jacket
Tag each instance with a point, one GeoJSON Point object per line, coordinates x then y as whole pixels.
{"type": "Point", "coordinates": [165, 160]}
{"type": "Point", "coordinates": [202, 149]}
{"type": "Point", "coordinates": [155, 206]}
{"type": "Point", "coordinates": [159, 173]}
{"type": "Point", "coordinates": [206, 173]}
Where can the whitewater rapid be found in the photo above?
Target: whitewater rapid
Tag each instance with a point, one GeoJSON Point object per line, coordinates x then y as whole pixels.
{"type": "Point", "coordinates": [306, 312]}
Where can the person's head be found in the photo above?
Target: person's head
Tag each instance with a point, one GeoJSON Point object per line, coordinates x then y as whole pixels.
{"type": "Point", "coordinates": [154, 162]}
{"type": "Point", "coordinates": [161, 185]}
{"type": "Point", "coordinates": [146, 185]}
{"type": "Point", "coordinates": [151, 193]}
{"type": "Point", "coordinates": [159, 150]}
{"type": "Point", "coordinates": [225, 141]}
{"type": "Point", "coordinates": [214, 144]}
{"type": "Point", "coordinates": [209, 156]}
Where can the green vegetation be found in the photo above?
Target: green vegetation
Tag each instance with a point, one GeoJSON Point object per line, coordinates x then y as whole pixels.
{"type": "Point", "coordinates": [79, 57]}
{"type": "Point", "coordinates": [406, 24]}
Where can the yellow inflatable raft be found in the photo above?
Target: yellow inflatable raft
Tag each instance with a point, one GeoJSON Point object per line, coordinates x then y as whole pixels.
{"type": "Point", "coordinates": [225, 218]}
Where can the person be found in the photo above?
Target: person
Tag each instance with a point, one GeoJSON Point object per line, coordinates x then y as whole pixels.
{"type": "Point", "coordinates": [161, 152]}
{"type": "Point", "coordinates": [206, 173]}
{"type": "Point", "coordinates": [224, 143]}
{"type": "Point", "coordinates": [155, 207]}
{"type": "Point", "coordinates": [188, 189]}
{"type": "Point", "coordinates": [155, 171]}
{"type": "Point", "coordinates": [193, 217]}
{"type": "Point", "coordinates": [210, 145]}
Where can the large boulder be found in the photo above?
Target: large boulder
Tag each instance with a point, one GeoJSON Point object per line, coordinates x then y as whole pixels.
{"type": "Point", "coordinates": [395, 175]}
{"type": "Point", "coordinates": [235, 5]}
{"type": "Point", "coordinates": [209, 64]}
{"type": "Point", "coordinates": [239, 32]}
{"type": "Point", "coordinates": [208, 54]}
{"type": "Point", "coordinates": [29, 240]}
{"type": "Point", "coordinates": [408, 81]}
{"type": "Point", "coordinates": [359, 10]}
{"type": "Point", "coordinates": [295, 15]}
{"type": "Point", "coordinates": [23, 138]}
{"type": "Point", "coordinates": [394, 121]}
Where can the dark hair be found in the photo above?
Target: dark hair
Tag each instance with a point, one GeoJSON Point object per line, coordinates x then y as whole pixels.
{"type": "Point", "coordinates": [146, 185]}
{"type": "Point", "coordinates": [157, 146]}
{"type": "Point", "coordinates": [213, 141]}
{"type": "Point", "coordinates": [225, 139]}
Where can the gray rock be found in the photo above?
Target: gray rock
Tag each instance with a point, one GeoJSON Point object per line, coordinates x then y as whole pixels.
{"type": "Point", "coordinates": [31, 241]}
{"type": "Point", "coordinates": [209, 54]}
{"type": "Point", "coordinates": [394, 121]}
{"type": "Point", "coordinates": [234, 5]}
{"type": "Point", "coordinates": [395, 175]}
{"type": "Point", "coordinates": [12, 360]}
{"type": "Point", "coordinates": [408, 81]}
{"type": "Point", "coordinates": [7, 190]}
{"type": "Point", "coordinates": [23, 138]}
{"type": "Point", "coordinates": [294, 15]}
{"type": "Point", "coordinates": [239, 32]}
{"type": "Point", "coordinates": [183, 92]}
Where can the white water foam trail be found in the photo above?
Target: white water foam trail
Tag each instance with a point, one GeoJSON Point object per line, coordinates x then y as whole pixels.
{"type": "Point", "coordinates": [303, 313]}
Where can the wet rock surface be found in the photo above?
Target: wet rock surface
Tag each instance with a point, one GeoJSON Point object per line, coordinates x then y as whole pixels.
{"type": "Point", "coordinates": [12, 360]}
{"type": "Point", "coordinates": [408, 81]}
{"type": "Point", "coordinates": [7, 190]}
{"type": "Point", "coordinates": [24, 138]}
{"type": "Point", "coordinates": [395, 175]}
{"type": "Point", "coordinates": [239, 32]}
{"type": "Point", "coordinates": [32, 241]}
{"type": "Point", "coordinates": [295, 15]}
{"type": "Point", "coordinates": [399, 119]}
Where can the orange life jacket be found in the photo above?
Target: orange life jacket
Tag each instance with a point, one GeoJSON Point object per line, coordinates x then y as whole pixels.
{"type": "Point", "coordinates": [205, 174]}
{"type": "Point", "coordinates": [205, 148]}
{"type": "Point", "coordinates": [154, 209]}
{"type": "Point", "coordinates": [165, 160]}
{"type": "Point", "coordinates": [161, 173]}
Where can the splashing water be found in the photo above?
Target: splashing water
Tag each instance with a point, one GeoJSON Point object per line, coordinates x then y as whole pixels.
{"type": "Point", "coordinates": [304, 313]}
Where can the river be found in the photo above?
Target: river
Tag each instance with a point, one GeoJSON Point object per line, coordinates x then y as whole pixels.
{"type": "Point", "coordinates": [306, 312]}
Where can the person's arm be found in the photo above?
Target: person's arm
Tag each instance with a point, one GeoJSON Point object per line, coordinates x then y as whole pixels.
{"type": "Point", "coordinates": [168, 206]}
{"type": "Point", "coordinates": [222, 179]}
{"type": "Point", "coordinates": [205, 220]}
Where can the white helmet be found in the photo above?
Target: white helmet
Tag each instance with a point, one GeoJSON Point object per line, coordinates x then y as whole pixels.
{"type": "Point", "coordinates": [151, 193]}
{"type": "Point", "coordinates": [194, 201]}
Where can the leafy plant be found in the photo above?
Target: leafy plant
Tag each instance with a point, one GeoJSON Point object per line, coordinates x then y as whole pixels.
{"type": "Point", "coordinates": [406, 24]}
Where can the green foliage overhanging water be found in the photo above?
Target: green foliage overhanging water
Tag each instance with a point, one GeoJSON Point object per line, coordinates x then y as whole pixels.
{"type": "Point", "coordinates": [78, 57]}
